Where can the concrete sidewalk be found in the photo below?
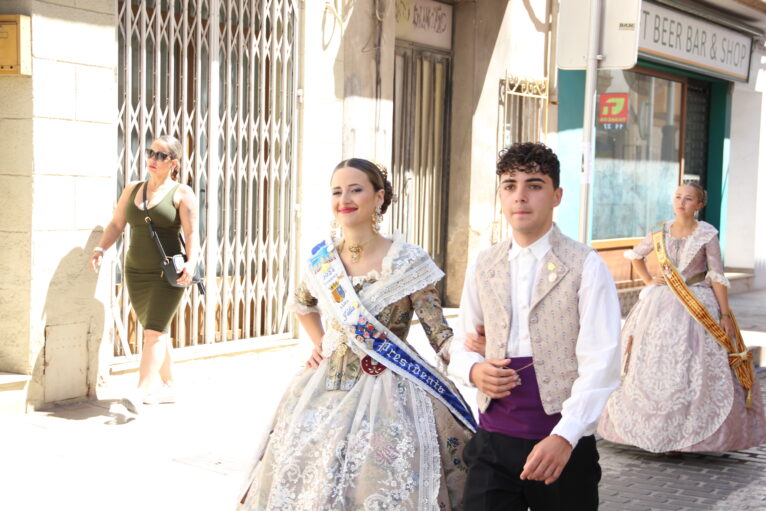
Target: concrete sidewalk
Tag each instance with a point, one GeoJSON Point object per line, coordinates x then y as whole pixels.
{"type": "Point", "coordinates": [189, 456]}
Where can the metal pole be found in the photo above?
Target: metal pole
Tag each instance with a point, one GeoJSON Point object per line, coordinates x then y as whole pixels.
{"type": "Point", "coordinates": [591, 72]}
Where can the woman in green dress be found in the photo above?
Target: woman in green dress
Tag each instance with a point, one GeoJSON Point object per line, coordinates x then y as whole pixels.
{"type": "Point", "coordinates": [171, 206]}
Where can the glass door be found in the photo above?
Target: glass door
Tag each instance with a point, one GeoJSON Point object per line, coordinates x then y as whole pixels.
{"type": "Point", "coordinates": [638, 157]}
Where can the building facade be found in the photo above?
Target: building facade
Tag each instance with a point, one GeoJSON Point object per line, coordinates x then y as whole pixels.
{"type": "Point", "coordinates": [691, 109]}
{"type": "Point", "coordinates": [267, 96]}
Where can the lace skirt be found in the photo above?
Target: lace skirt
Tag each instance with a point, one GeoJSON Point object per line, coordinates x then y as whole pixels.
{"type": "Point", "coordinates": [384, 444]}
{"type": "Point", "coordinates": [678, 392]}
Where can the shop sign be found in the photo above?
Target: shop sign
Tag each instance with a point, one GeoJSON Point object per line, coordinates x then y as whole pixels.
{"type": "Point", "coordinates": [424, 22]}
{"type": "Point", "coordinates": [613, 110]}
{"type": "Point", "coordinates": [674, 37]}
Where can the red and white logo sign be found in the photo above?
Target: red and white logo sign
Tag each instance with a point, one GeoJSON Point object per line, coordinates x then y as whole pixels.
{"type": "Point", "coordinates": [613, 108]}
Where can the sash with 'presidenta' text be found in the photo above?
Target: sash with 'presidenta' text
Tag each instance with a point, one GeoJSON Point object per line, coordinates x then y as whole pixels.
{"type": "Point", "coordinates": [740, 358]}
{"type": "Point", "coordinates": [373, 338]}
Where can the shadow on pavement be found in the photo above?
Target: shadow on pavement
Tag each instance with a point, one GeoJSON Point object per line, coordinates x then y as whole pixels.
{"type": "Point", "coordinates": [107, 411]}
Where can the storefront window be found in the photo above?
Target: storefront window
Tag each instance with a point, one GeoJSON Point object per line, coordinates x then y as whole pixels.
{"type": "Point", "coordinates": [637, 163]}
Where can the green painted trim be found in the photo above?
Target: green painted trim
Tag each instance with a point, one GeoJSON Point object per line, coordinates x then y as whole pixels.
{"type": "Point", "coordinates": [679, 72]}
{"type": "Point", "coordinates": [571, 98]}
{"type": "Point", "coordinates": [718, 155]}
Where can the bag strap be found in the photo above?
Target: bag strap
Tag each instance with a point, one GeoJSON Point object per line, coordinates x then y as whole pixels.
{"type": "Point", "coordinates": [152, 232]}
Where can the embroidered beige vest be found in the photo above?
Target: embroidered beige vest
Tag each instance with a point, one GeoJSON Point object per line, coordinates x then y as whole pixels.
{"type": "Point", "coordinates": [554, 318]}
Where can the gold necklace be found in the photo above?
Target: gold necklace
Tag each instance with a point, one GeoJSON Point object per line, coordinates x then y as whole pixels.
{"type": "Point", "coordinates": [355, 249]}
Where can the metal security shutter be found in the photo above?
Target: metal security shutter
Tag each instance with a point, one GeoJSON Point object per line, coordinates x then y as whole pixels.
{"type": "Point", "coordinates": [696, 131]}
{"type": "Point", "coordinates": [420, 166]}
{"type": "Point", "coordinates": [221, 76]}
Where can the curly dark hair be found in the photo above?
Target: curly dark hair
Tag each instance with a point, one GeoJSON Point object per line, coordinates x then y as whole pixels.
{"type": "Point", "coordinates": [531, 158]}
{"type": "Point", "coordinates": [377, 176]}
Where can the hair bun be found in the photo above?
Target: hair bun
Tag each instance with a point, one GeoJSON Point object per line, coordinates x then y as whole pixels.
{"type": "Point", "coordinates": [382, 169]}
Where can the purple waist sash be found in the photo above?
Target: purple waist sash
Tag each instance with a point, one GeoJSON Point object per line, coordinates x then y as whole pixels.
{"type": "Point", "coordinates": [521, 414]}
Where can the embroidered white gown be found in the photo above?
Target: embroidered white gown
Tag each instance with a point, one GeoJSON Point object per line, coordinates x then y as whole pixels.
{"type": "Point", "coordinates": [678, 392]}
{"type": "Point", "coordinates": [343, 439]}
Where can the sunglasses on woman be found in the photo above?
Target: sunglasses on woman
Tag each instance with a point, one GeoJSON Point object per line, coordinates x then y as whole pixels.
{"type": "Point", "coordinates": [157, 155]}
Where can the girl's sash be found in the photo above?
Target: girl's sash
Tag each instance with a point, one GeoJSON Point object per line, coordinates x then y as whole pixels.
{"type": "Point", "coordinates": [373, 338]}
{"type": "Point", "coordinates": [740, 359]}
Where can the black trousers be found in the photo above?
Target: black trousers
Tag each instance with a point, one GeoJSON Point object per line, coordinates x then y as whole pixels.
{"type": "Point", "coordinates": [495, 462]}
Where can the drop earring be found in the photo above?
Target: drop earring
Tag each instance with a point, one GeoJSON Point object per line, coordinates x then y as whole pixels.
{"type": "Point", "coordinates": [377, 218]}
{"type": "Point", "coordinates": [335, 230]}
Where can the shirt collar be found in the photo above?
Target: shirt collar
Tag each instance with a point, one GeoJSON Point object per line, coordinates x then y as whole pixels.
{"type": "Point", "coordinates": [539, 248]}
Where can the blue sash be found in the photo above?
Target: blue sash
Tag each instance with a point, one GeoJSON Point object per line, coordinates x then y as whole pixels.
{"type": "Point", "coordinates": [373, 338]}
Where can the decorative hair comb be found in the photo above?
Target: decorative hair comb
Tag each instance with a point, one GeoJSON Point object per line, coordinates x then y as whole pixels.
{"type": "Point", "coordinates": [381, 169]}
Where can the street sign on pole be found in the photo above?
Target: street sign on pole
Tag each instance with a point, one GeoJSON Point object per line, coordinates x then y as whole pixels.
{"type": "Point", "coordinates": [593, 35]}
{"type": "Point", "coordinates": [618, 33]}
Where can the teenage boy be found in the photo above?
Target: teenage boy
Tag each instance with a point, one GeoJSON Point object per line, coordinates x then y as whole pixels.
{"type": "Point", "coordinates": [548, 307]}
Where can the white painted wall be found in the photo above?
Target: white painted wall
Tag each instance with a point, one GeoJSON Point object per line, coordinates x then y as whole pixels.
{"type": "Point", "coordinates": [745, 243]}
{"type": "Point", "coordinates": [758, 212]}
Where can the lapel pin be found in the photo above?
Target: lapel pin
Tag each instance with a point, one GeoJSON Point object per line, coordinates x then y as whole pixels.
{"type": "Point", "coordinates": [551, 277]}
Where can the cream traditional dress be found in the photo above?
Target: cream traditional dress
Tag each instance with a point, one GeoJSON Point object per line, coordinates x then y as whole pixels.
{"type": "Point", "coordinates": [344, 439]}
{"type": "Point", "coordinates": [678, 392]}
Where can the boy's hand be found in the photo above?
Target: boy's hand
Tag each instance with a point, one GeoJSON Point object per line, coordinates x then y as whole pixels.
{"type": "Point", "coordinates": [547, 459]}
{"type": "Point", "coordinates": [494, 378]}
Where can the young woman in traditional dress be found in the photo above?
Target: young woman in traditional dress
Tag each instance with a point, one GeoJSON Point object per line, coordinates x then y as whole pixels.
{"type": "Point", "coordinates": [369, 425]}
{"type": "Point", "coordinates": [688, 383]}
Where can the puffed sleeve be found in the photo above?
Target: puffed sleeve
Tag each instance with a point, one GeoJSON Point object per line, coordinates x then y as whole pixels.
{"type": "Point", "coordinates": [428, 307]}
{"type": "Point", "coordinates": [715, 272]}
{"type": "Point", "coordinates": [641, 250]}
{"type": "Point", "coordinates": [302, 301]}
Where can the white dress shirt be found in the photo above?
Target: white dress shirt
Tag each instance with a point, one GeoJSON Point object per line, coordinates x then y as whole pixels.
{"type": "Point", "coordinates": [598, 343]}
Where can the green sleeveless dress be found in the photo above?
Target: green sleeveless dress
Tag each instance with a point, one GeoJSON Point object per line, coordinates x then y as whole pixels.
{"type": "Point", "coordinates": [154, 300]}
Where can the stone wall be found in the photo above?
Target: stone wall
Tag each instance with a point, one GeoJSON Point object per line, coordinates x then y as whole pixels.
{"type": "Point", "coordinates": [58, 137]}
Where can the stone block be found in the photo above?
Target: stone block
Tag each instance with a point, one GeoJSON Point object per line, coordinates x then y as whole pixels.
{"type": "Point", "coordinates": [15, 259]}
{"type": "Point", "coordinates": [15, 97]}
{"type": "Point", "coordinates": [16, 144]}
{"type": "Point", "coordinates": [94, 202]}
{"type": "Point", "coordinates": [14, 323]}
{"type": "Point", "coordinates": [53, 205]}
{"type": "Point", "coordinates": [74, 148]}
{"type": "Point", "coordinates": [95, 44]}
{"type": "Point", "coordinates": [96, 97]}
{"type": "Point", "coordinates": [67, 3]}
{"type": "Point", "coordinates": [60, 260]}
{"type": "Point", "coordinates": [103, 6]}
{"type": "Point", "coordinates": [54, 89]}
{"type": "Point", "coordinates": [13, 393]}
{"type": "Point", "coordinates": [66, 361]}
{"type": "Point", "coordinates": [17, 203]}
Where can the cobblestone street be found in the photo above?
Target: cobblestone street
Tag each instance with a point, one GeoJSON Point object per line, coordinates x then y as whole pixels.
{"type": "Point", "coordinates": [635, 480]}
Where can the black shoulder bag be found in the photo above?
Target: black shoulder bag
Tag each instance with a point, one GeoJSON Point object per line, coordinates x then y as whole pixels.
{"type": "Point", "coordinates": [171, 267]}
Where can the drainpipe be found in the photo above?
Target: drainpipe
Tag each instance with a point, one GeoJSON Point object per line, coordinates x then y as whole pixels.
{"type": "Point", "coordinates": [591, 72]}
